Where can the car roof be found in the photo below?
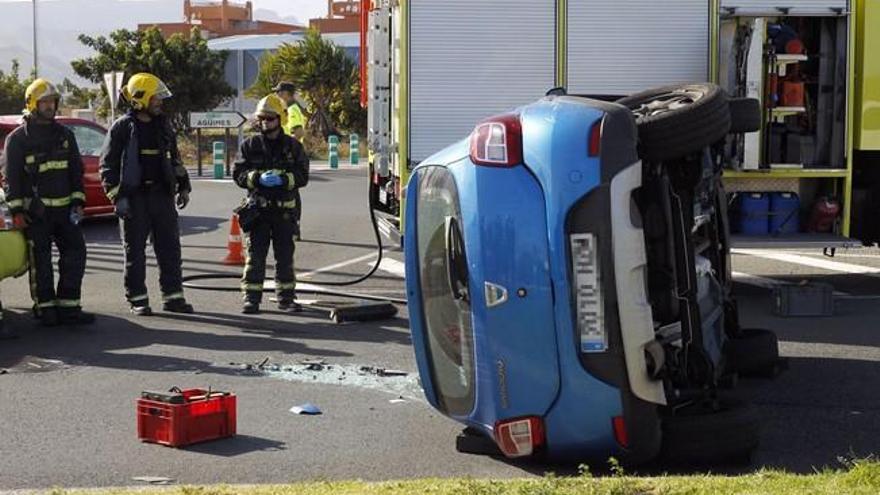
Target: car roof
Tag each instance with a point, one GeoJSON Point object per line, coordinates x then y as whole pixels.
{"type": "Point", "coordinates": [11, 121]}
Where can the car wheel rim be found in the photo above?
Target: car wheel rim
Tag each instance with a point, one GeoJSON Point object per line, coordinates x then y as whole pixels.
{"type": "Point", "coordinates": [669, 102]}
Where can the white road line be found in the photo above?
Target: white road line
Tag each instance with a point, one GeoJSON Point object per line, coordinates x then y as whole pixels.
{"type": "Point", "coordinates": [835, 266]}
{"type": "Point", "coordinates": [757, 280]}
{"type": "Point", "coordinates": [392, 266]}
{"type": "Point", "coordinates": [772, 283]}
{"type": "Point", "coordinates": [337, 265]}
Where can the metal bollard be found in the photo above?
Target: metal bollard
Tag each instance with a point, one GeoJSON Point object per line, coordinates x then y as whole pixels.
{"type": "Point", "coordinates": [219, 158]}
{"type": "Point", "coordinates": [354, 153]}
{"type": "Point", "coordinates": [333, 151]}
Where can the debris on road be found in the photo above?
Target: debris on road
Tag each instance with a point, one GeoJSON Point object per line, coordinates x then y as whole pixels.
{"type": "Point", "coordinates": [306, 409]}
{"type": "Point", "coordinates": [154, 480]}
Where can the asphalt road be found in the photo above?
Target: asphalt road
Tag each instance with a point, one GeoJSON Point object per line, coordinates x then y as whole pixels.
{"type": "Point", "coordinates": [67, 399]}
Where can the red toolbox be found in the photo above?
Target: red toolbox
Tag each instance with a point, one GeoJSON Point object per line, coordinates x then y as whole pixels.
{"type": "Point", "coordinates": [183, 417]}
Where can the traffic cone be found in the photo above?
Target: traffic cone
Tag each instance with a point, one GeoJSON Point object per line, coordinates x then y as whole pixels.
{"type": "Point", "coordinates": [234, 255]}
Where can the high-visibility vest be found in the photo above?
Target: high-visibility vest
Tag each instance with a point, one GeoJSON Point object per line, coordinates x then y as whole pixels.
{"type": "Point", "coordinates": [294, 119]}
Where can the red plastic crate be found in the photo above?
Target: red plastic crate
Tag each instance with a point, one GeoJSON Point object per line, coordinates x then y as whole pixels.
{"type": "Point", "coordinates": [200, 416]}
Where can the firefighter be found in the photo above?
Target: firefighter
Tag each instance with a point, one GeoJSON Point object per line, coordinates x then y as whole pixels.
{"type": "Point", "coordinates": [143, 175]}
{"type": "Point", "coordinates": [44, 192]}
{"type": "Point", "coordinates": [271, 166]}
{"type": "Point", "coordinates": [294, 125]}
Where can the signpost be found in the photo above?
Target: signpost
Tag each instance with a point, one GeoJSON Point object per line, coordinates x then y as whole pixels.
{"type": "Point", "coordinates": [213, 120]}
{"type": "Point", "coordinates": [113, 81]}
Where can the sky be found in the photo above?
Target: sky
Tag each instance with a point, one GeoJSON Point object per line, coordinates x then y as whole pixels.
{"type": "Point", "coordinates": [61, 21]}
{"type": "Point", "coordinates": [302, 9]}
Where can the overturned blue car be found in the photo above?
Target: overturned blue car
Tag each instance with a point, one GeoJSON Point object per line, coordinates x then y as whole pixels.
{"type": "Point", "coordinates": [569, 285]}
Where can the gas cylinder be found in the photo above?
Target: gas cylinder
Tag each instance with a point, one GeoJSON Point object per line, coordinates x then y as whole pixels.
{"type": "Point", "coordinates": [824, 213]}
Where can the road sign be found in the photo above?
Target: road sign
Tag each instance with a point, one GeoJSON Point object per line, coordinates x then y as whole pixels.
{"type": "Point", "coordinates": [113, 81]}
{"type": "Point", "coordinates": [216, 119]}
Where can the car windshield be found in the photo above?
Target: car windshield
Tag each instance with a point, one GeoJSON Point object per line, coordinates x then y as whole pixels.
{"type": "Point", "coordinates": [88, 138]}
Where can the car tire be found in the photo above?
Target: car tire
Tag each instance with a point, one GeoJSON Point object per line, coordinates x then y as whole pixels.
{"type": "Point", "coordinates": [675, 121]}
{"type": "Point", "coordinates": [472, 441]}
{"type": "Point", "coordinates": [745, 115]}
{"type": "Point", "coordinates": [753, 352]}
{"type": "Point", "coordinates": [700, 434]}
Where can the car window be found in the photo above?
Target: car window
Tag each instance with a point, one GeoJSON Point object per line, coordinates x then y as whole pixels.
{"type": "Point", "coordinates": [445, 300]}
{"type": "Point", "coordinates": [88, 138]}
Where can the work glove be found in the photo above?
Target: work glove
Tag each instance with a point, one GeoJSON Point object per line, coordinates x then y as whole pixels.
{"type": "Point", "coordinates": [123, 208]}
{"type": "Point", "coordinates": [182, 199]}
{"type": "Point", "coordinates": [270, 179]}
{"type": "Point", "coordinates": [76, 214]}
{"type": "Point", "coordinates": [21, 220]}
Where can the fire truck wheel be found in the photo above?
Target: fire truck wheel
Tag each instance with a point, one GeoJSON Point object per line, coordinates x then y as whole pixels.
{"type": "Point", "coordinates": [676, 121]}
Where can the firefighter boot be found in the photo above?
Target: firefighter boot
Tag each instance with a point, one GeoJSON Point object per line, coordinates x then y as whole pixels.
{"type": "Point", "coordinates": [177, 305]}
{"type": "Point", "coordinates": [289, 304]}
{"type": "Point", "coordinates": [75, 316]}
{"type": "Point", "coordinates": [141, 308]}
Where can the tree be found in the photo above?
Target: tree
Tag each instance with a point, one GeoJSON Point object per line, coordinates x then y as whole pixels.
{"type": "Point", "coordinates": [325, 76]}
{"type": "Point", "coordinates": [12, 90]}
{"type": "Point", "coordinates": [193, 73]}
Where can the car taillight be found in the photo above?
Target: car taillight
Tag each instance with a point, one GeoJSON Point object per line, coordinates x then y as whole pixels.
{"type": "Point", "coordinates": [519, 437]}
{"type": "Point", "coordinates": [497, 142]}
{"type": "Point", "coordinates": [620, 431]}
{"type": "Point", "coordinates": [587, 286]}
{"type": "Point", "coordinates": [595, 145]}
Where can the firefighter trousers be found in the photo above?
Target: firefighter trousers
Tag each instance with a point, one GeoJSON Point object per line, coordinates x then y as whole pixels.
{"type": "Point", "coordinates": [276, 226]}
{"type": "Point", "coordinates": [55, 226]}
{"type": "Point", "coordinates": [152, 215]}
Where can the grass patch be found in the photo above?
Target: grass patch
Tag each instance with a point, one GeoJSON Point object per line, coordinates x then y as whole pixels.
{"type": "Point", "coordinates": [861, 477]}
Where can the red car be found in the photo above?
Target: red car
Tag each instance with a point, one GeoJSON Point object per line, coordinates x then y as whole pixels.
{"type": "Point", "coordinates": [90, 138]}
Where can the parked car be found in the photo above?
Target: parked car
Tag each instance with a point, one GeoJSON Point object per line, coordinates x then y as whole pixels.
{"type": "Point", "coordinates": [90, 138]}
{"type": "Point", "coordinates": [568, 281]}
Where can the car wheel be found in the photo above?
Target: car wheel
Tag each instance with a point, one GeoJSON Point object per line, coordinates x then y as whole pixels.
{"type": "Point", "coordinates": [753, 352]}
{"type": "Point", "coordinates": [745, 115]}
{"type": "Point", "coordinates": [472, 441]}
{"type": "Point", "coordinates": [675, 121]}
{"type": "Point", "coordinates": [711, 432]}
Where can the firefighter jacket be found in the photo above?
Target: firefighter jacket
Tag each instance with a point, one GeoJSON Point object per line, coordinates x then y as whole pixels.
{"type": "Point", "coordinates": [121, 169]}
{"type": "Point", "coordinates": [42, 168]}
{"type": "Point", "coordinates": [283, 155]}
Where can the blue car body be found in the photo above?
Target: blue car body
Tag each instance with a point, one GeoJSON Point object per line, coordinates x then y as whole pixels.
{"type": "Point", "coordinates": [507, 344]}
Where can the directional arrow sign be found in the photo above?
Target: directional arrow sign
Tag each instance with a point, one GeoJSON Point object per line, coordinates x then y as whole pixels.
{"type": "Point", "coordinates": [216, 119]}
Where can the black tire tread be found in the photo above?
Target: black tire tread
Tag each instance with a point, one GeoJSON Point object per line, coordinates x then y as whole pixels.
{"type": "Point", "coordinates": [726, 435]}
{"type": "Point", "coordinates": [753, 352]}
{"type": "Point", "coordinates": [679, 133]}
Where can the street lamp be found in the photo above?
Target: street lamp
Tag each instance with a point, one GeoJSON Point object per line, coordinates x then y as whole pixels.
{"type": "Point", "coordinates": [34, 4]}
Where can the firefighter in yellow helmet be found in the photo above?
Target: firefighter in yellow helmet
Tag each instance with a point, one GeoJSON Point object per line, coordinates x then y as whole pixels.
{"type": "Point", "coordinates": [271, 166]}
{"type": "Point", "coordinates": [294, 125]}
{"type": "Point", "coordinates": [44, 190]}
{"type": "Point", "coordinates": [143, 175]}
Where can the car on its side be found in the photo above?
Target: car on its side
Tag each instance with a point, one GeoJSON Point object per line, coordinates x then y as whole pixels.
{"type": "Point", "coordinates": [568, 281]}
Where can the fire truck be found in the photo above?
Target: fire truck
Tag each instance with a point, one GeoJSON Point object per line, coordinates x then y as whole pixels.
{"type": "Point", "coordinates": [431, 69]}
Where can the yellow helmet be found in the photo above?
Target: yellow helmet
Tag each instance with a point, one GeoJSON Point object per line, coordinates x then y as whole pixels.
{"type": "Point", "coordinates": [142, 87]}
{"type": "Point", "coordinates": [39, 90]}
{"type": "Point", "coordinates": [272, 104]}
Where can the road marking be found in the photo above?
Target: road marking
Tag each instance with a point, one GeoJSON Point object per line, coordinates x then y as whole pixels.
{"type": "Point", "coordinates": [757, 280]}
{"type": "Point", "coordinates": [834, 266]}
{"type": "Point", "coordinates": [337, 265]}
{"type": "Point", "coordinates": [392, 266]}
{"type": "Point", "coordinates": [772, 283]}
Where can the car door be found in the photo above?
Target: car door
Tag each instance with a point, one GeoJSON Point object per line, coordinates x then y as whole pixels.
{"type": "Point", "coordinates": [90, 138]}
